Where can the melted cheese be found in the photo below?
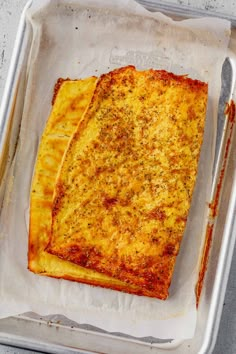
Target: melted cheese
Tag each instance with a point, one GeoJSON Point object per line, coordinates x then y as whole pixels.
{"type": "Point", "coordinates": [124, 189]}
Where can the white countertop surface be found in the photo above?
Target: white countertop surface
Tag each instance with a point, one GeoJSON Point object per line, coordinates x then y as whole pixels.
{"type": "Point", "coordinates": [10, 11]}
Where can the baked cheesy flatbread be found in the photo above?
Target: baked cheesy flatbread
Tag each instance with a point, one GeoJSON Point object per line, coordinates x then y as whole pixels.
{"type": "Point", "coordinates": [124, 189]}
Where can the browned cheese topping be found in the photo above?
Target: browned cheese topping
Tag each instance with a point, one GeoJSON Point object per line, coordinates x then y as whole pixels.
{"type": "Point", "coordinates": [124, 189]}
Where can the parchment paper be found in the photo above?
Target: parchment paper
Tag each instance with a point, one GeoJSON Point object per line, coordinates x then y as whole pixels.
{"type": "Point", "coordinates": [78, 39]}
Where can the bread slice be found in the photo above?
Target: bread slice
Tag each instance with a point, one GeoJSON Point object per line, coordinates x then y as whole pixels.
{"type": "Point", "coordinates": [124, 189]}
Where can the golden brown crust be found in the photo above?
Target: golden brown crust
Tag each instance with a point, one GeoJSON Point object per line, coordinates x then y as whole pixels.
{"type": "Point", "coordinates": [127, 178]}
{"type": "Point", "coordinates": [57, 88]}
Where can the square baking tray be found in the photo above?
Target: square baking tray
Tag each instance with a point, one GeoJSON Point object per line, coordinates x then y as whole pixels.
{"type": "Point", "coordinates": [58, 334]}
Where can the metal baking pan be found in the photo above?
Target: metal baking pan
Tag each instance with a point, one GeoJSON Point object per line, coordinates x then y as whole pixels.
{"type": "Point", "coordinates": [58, 334]}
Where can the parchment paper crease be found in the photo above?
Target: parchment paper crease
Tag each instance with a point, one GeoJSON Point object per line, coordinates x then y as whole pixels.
{"type": "Point", "coordinates": [77, 39]}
